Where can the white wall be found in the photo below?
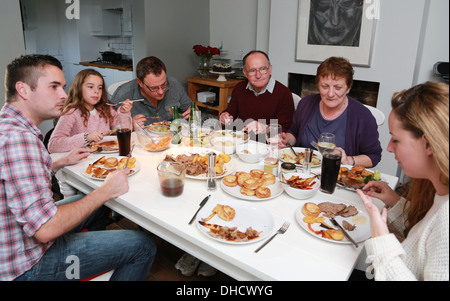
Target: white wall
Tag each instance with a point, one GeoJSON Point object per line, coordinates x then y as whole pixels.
{"type": "Point", "coordinates": [12, 44]}
{"type": "Point", "coordinates": [410, 37]}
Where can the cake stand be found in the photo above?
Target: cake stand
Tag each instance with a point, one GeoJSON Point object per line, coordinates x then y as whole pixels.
{"type": "Point", "coordinates": [221, 77]}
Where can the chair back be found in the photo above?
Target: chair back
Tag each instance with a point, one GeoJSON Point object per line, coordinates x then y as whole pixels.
{"type": "Point", "coordinates": [379, 116]}
{"type": "Point", "coordinates": [113, 87]}
{"type": "Point", "coordinates": [296, 100]}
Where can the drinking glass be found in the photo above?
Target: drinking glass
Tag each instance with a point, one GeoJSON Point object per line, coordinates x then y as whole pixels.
{"type": "Point", "coordinates": [331, 163]}
{"type": "Point", "coordinates": [274, 134]}
{"type": "Point", "coordinates": [124, 128]}
{"type": "Point", "coordinates": [326, 141]}
{"type": "Point", "coordinates": [171, 178]}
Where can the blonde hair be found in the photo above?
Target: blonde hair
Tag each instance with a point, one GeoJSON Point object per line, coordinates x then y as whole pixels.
{"type": "Point", "coordinates": [423, 110]}
{"type": "Point", "coordinates": [75, 98]}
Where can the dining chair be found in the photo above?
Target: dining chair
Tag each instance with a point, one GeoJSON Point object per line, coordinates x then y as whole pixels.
{"type": "Point", "coordinates": [113, 87]}
{"type": "Point", "coordinates": [296, 100]}
{"type": "Point", "coordinates": [379, 116]}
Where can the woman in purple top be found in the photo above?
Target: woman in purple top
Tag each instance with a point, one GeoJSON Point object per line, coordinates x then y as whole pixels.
{"type": "Point", "coordinates": [332, 110]}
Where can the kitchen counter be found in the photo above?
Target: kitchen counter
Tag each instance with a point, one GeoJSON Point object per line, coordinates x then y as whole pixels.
{"type": "Point", "coordinates": [107, 65]}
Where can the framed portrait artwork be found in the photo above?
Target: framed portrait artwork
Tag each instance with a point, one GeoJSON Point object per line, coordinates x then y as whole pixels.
{"type": "Point", "coordinates": [344, 28]}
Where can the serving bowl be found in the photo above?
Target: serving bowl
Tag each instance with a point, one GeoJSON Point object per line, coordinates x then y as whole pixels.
{"type": "Point", "coordinates": [251, 153]}
{"type": "Point", "coordinates": [298, 193]}
{"type": "Point", "coordinates": [224, 144]}
{"type": "Point", "coordinates": [158, 139]}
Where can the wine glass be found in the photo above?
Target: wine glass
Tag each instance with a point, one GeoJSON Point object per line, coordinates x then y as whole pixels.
{"type": "Point", "coordinates": [274, 134]}
{"type": "Point", "coordinates": [326, 141]}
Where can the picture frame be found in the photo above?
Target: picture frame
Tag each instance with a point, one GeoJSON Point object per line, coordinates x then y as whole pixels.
{"type": "Point", "coordinates": [316, 41]}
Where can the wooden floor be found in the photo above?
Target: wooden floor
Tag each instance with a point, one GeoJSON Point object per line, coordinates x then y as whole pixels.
{"type": "Point", "coordinates": [163, 268]}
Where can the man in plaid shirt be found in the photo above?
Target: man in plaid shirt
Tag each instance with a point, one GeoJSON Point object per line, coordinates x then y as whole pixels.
{"type": "Point", "coordinates": [41, 239]}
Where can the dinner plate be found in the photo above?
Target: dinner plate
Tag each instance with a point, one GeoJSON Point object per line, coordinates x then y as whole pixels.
{"type": "Point", "coordinates": [136, 169]}
{"type": "Point", "coordinates": [275, 190]}
{"type": "Point", "coordinates": [247, 215]}
{"type": "Point", "coordinates": [348, 187]}
{"type": "Point", "coordinates": [360, 234]}
{"type": "Point", "coordinates": [239, 135]}
{"type": "Point", "coordinates": [107, 139]}
{"type": "Point", "coordinates": [228, 167]}
{"type": "Point", "coordinates": [288, 152]}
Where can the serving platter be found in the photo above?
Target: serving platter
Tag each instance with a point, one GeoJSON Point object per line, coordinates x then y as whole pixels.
{"type": "Point", "coordinates": [247, 215]}
{"type": "Point", "coordinates": [275, 191]}
{"type": "Point", "coordinates": [228, 168]}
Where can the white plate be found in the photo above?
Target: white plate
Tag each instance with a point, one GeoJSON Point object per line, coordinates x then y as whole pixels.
{"type": "Point", "coordinates": [360, 234]}
{"type": "Point", "coordinates": [275, 190]}
{"type": "Point", "coordinates": [351, 188]}
{"type": "Point", "coordinates": [137, 167]}
{"type": "Point", "coordinates": [228, 167]}
{"type": "Point", "coordinates": [239, 135]}
{"type": "Point", "coordinates": [299, 150]}
{"type": "Point", "coordinates": [247, 215]}
{"type": "Point", "coordinates": [108, 138]}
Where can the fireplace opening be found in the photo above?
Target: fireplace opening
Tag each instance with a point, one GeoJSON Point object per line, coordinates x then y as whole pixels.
{"type": "Point", "coordinates": [363, 91]}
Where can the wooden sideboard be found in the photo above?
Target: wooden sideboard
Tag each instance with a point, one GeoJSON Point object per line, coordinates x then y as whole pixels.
{"type": "Point", "coordinates": [197, 83]}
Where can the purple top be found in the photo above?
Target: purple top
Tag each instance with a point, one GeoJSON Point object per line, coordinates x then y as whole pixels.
{"type": "Point", "coordinates": [361, 131]}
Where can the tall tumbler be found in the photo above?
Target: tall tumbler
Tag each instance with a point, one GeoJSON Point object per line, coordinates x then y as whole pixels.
{"type": "Point", "coordinates": [331, 163]}
{"type": "Point", "coordinates": [124, 129]}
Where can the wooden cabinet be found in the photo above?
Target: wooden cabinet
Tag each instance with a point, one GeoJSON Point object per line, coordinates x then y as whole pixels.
{"type": "Point", "coordinates": [197, 83]}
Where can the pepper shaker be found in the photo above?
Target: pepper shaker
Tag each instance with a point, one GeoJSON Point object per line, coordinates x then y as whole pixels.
{"type": "Point", "coordinates": [211, 171]}
{"type": "Point", "coordinates": [307, 162]}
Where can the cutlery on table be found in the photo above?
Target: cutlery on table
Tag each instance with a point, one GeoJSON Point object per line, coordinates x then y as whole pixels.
{"type": "Point", "coordinates": [121, 102]}
{"type": "Point", "coordinates": [129, 156]}
{"type": "Point", "coordinates": [282, 230]}
{"type": "Point", "coordinates": [343, 231]}
{"type": "Point", "coordinates": [201, 206]}
{"type": "Point", "coordinates": [292, 149]}
{"type": "Point", "coordinates": [314, 144]}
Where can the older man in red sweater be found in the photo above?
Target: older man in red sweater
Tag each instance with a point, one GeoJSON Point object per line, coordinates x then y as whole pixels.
{"type": "Point", "coordinates": [260, 100]}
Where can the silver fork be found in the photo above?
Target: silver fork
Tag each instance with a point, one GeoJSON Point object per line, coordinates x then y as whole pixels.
{"type": "Point", "coordinates": [282, 230]}
{"type": "Point", "coordinates": [121, 102]}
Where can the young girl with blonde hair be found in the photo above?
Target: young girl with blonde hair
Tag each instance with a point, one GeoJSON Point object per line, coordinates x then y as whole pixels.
{"type": "Point", "coordinates": [419, 126]}
{"type": "Point", "coordinates": [86, 117]}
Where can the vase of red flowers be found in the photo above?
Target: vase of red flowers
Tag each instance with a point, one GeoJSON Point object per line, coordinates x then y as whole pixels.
{"type": "Point", "coordinates": [205, 54]}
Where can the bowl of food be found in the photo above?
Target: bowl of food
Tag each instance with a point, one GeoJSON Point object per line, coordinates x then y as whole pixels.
{"type": "Point", "coordinates": [157, 138]}
{"type": "Point", "coordinates": [198, 137]}
{"type": "Point", "coordinates": [224, 144]}
{"type": "Point", "coordinates": [299, 185]}
{"type": "Point", "coordinates": [251, 153]}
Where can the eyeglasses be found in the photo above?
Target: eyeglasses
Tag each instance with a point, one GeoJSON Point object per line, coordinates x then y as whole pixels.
{"type": "Point", "coordinates": [262, 70]}
{"type": "Point", "coordinates": [156, 89]}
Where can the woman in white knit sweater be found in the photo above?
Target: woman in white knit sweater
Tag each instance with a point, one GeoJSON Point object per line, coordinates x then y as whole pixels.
{"type": "Point", "coordinates": [419, 125]}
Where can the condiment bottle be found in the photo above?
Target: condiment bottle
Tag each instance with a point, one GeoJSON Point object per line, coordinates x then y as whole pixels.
{"type": "Point", "coordinates": [288, 167]}
{"type": "Point", "coordinates": [271, 160]}
{"type": "Point", "coordinates": [176, 126]}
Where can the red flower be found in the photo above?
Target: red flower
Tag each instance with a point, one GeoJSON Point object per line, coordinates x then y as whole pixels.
{"type": "Point", "coordinates": [206, 51]}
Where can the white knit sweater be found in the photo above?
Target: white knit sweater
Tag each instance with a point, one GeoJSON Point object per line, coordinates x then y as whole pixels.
{"type": "Point", "coordinates": [423, 255]}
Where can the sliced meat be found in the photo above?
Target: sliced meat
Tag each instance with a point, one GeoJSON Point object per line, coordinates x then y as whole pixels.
{"type": "Point", "coordinates": [331, 209]}
{"type": "Point", "coordinates": [347, 226]}
{"type": "Point", "coordinates": [349, 211]}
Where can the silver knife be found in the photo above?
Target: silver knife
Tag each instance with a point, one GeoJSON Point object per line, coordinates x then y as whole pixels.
{"type": "Point", "coordinates": [343, 231]}
{"type": "Point", "coordinates": [201, 206]}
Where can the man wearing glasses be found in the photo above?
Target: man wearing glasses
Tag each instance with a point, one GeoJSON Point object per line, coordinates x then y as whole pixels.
{"type": "Point", "coordinates": [160, 92]}
{"type": "Point", "coordinates": [259, 99]}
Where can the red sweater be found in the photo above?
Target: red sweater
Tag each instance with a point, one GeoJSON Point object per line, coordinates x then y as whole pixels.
{"type": "Point", "coordinates": [278, 105]}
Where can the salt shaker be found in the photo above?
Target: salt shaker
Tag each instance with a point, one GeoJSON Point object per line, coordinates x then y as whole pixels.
{"type": "Point", "coordinates": [211, 171]}
{"type": "Point", "coordinates": [307, 162]}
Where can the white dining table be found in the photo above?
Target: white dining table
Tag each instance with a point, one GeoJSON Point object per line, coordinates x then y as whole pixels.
{"type": "Point", "coordinates": [293, 256]}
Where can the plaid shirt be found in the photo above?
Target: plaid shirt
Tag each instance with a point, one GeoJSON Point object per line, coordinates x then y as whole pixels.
{"type": "Point", "coordinates": [26, 201]}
